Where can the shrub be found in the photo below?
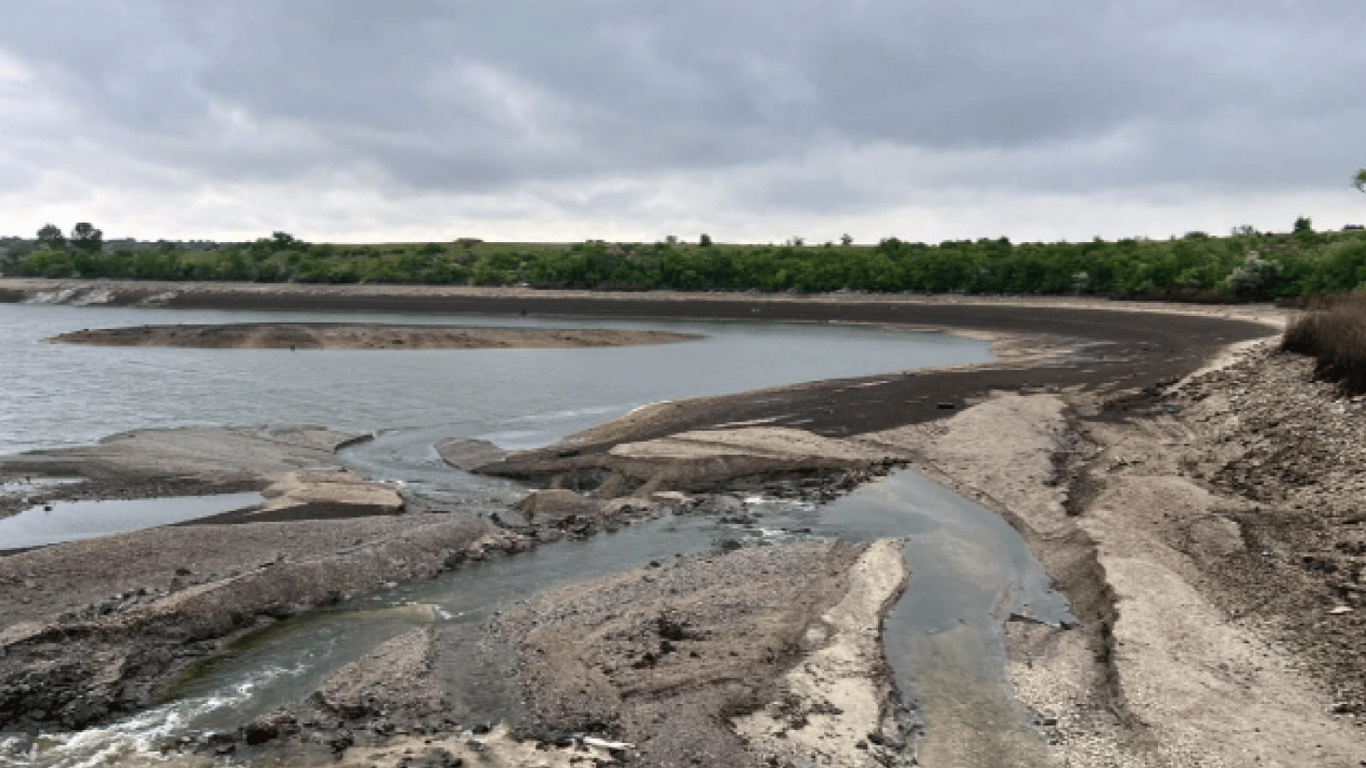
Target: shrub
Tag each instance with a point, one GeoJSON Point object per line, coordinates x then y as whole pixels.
{"type": "Point", "coordinates": [1333, 332]}
{"type": "Point", "coordinates": [1255, 278]}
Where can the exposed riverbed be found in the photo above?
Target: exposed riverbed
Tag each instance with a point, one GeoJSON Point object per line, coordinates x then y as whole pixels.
{"type": "Point", "coordinates": [971, 569]}
{"type": "Point", "coordinates": [970, 718]}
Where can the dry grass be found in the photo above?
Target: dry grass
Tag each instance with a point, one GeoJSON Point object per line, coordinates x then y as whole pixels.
{"type": "Point", "coordinates": [1333, 332]}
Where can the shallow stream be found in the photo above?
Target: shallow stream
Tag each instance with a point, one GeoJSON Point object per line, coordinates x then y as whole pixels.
{"type": "Point", "coordinates": [970, 570]}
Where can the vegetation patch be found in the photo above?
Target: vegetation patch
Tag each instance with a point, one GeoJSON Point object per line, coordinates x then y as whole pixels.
{"type": "Point", "coordinates": [1333, 332]}
{"type": "Point", "coordinates": [1245, 265]}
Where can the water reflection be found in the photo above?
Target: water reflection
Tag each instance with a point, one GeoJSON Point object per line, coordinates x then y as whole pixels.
{"type": "Point", "coordinates": [60, 521]}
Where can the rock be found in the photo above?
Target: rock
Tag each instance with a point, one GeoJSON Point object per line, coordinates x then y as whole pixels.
{"type": "Point", "coordinates": [672, 497]}
{"type": "Point", "coordinates": [268, 727]}
{"type": "Point", "coordinates": [469, 455]}
{"type": "Point", "coordinates": [393, 679]}
{"type": "Point", "coordinates": [330, 488]}
{"type": "Point", "coordinates": [629, 506]}
{"type": "Point", "coordinates": [1214, 536]}
{"type": "Point", "coordinates": [723, 504]}
{"type": "Point", "coordinates": [558, 504]}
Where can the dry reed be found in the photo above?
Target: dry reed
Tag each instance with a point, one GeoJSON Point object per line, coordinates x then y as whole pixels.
{"type": "Point", "coordinates": [1333, 332]}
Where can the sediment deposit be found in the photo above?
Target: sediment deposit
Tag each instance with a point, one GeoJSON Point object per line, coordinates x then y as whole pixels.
{"type": "Point", "coordinates": [305, 336]}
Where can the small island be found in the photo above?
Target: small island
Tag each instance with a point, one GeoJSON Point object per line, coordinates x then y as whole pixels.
{"type": "Point", "coordinates": [296, 336]}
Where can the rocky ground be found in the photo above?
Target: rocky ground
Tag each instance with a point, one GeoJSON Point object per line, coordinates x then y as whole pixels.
{"type": "Point", "coordinates": [1291, 454]}
{"type": "Point", "coordinates": [99, 628]}
{"type": "Point", "coordinates": [361, 336]}
{"type": "Point", "coordinates": [1212, 567]}
{"type": "Point", "coordinates": [709, 640]}
{"type": "Point", "coordinates": [747, 656]}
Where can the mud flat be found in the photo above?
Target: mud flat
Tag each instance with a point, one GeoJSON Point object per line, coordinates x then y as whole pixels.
{"type": "Point", "coordinates": [361, 336]}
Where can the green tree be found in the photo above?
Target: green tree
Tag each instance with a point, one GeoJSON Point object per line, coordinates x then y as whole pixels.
{"type": "Point", "coordinates": [51, 237]}
{"type": "Point", "coordinates": [705, 240]}
{"type": "Point", "coordinates": [84, 237]}
{"type": "Point", "coordinates": [1255, 278]}
{"type": "Point", "coordinates": [284, 240]}
{"type": "Point", "coordinates": [1303, 226]}
{"type": "Point", "coordinates": [1359, 180]}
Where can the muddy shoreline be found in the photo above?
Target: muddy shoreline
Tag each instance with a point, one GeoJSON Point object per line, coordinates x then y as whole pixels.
{"type": "Point", "coordinates": [1058, 437]}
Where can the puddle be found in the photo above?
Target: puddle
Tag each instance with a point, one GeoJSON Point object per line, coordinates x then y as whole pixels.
{"type": "Point", "coordinates": [72, 520]}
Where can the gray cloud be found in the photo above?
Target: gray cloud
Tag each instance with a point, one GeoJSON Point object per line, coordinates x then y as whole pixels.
{"type": "Point", "coordinates": [783, 109]}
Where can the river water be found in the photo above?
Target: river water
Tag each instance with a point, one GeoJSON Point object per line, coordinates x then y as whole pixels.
{"type": "Point", "coordinates": [970, 569]}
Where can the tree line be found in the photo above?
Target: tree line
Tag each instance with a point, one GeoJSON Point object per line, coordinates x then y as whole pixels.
{"type": "Point", "coordinates": [1246, 264]}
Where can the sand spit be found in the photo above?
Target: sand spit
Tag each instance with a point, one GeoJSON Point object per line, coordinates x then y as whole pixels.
{"type": "Point", "coordinates": [304, 336]}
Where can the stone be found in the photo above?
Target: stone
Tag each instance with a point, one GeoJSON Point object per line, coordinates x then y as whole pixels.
{"type": "Point", "coordinates": [558, 504]}
{"type": "Point", "coordinates": [469, 455]}
{"type": "Point", "coordinates": [331, 489]}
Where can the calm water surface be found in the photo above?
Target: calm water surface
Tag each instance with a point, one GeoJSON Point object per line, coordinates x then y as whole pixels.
{"type": "Point", "coordinates": [59, 395]}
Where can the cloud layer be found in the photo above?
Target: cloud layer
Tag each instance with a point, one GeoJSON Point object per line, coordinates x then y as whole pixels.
{"type": "Point", "coordinates": [348, 120]}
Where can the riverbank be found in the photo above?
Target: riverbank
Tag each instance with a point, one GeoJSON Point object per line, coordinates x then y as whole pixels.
{"type": "Point", "coordinates": [1082, 448]}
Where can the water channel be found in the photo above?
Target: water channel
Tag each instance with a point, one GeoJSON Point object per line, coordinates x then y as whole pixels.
{"type": "Point", "coordinates": [970, 569]}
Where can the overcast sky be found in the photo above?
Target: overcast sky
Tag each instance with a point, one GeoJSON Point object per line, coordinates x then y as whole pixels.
{"type": "Point", "coordinates": [751, 120]}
